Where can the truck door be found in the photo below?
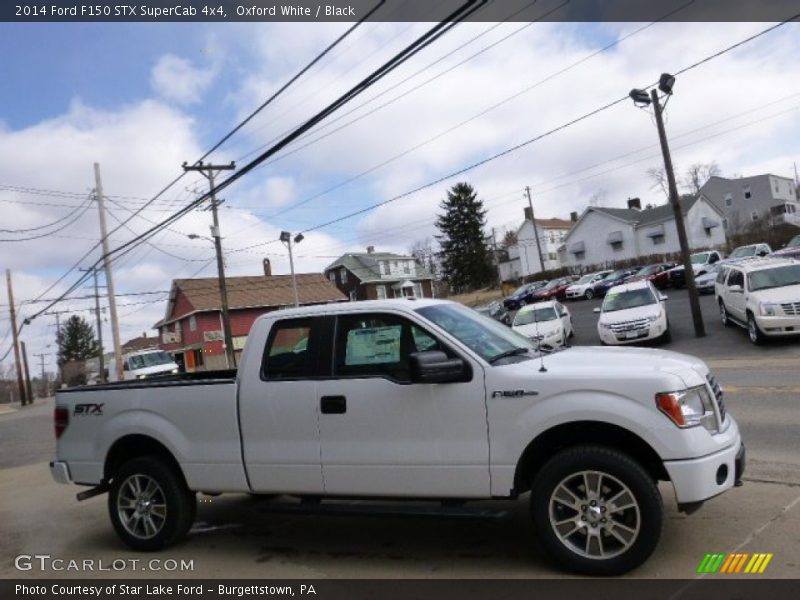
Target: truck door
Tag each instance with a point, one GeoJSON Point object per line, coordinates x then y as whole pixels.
{"type": "Point", "coordinates": [735, 296]}
{"type": "Point", "coordinates": [381, 434]}
{"type": "Point", "coordinates": [278, 410]}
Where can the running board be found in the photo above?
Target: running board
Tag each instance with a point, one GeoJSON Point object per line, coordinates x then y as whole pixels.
{"type": "Point", "coordinates": [338, 509]}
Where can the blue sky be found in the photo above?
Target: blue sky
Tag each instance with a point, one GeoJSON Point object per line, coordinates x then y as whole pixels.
{"type": "Point", "coordinates": [142, 98]}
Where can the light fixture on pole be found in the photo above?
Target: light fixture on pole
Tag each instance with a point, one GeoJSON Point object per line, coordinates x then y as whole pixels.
{"type": "Point", "coordinates": [286, 238]}
{"type": "Point", "coordinates": [640, 99]}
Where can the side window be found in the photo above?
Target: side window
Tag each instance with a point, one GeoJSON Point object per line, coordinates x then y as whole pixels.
{"type": "Point", "coordinates": [736, 278]}
{"type": "Point", "coordinates": [380, 345]}
{"type": "Point", "coordinates": [721, 275]}
{"type": "Point", "coordinates": [288, 355]}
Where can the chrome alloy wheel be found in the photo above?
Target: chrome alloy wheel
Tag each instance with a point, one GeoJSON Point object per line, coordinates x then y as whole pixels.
{"type": "Point", "coordinates": [141, 506]}
{"type": "Point", "coordinates": [594, 515]}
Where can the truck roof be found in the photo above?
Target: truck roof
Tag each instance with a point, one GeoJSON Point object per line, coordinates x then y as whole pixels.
{"type": "Point", "coordinates": [405, 304]}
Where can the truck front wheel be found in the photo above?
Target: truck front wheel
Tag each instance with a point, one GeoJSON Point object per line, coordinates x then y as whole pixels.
{"type": "Point", "coordinates": [149, 504]}
{"type": "Point", "coordinates": [596, 510]}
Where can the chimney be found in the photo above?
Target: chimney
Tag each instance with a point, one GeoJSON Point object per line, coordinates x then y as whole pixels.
{"type": "Point", "coordinates": [573, 216]}
{"type": "Point", "coordinates": [528, 215]}
{"type": "Point", "coordinates": [635, 203]}
{"type": "Point", "coordinates": [370, 249]}
{"type": "Point", "coordinates": [267, 268]}
{"type": "Point", "coordinates": [144, 334]}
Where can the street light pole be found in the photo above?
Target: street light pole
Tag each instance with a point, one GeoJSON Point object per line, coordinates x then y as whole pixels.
{"type": "Point", "coordinates": [694, 301]}
{"type": "Point", "coordinates": [286, 238]}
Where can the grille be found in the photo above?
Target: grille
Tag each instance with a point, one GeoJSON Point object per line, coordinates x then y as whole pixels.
{"type": "Point", "coordinates": [718, 396]}
{"type": "Point", "coordinates": [791, 308]}
{"type": "Point", "coordinates": [624, 326]}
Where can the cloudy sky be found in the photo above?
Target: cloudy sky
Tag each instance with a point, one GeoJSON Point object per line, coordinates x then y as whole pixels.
{"type": "Point", "coordinates": [141, 99]}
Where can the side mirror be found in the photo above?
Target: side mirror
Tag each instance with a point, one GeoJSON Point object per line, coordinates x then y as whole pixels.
{"type": "Point", "coordinates": [664, 297]}
{"type": "Point", "coordinates": [763, 253]}
{"type": "Point", "coordinates": [433, 366]}
{"type": "Point", "coordinates": [714, 258]}
{"type": "Point", "coordinates": [735, 289]}
{"type": "Point", "coordinates": [597, 309]}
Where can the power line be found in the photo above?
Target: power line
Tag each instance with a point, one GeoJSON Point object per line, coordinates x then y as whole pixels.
{"type": "Point", "coordinates": [48, 225]}
{"type": "Point", "coordinates": [77, 214]}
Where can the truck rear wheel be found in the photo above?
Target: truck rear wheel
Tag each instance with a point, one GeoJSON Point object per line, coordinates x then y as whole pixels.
{"type": "Point", "coordinates": [596, 510]}
{"type": "Point", "coordinates": [149, 504]}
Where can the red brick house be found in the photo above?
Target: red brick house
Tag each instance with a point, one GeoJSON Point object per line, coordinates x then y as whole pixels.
{"type": "Point", "coordinates": [191, 329]}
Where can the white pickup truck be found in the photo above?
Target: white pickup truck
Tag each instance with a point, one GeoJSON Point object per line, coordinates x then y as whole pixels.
{"type": "Point", "coordinates": [412, 399]}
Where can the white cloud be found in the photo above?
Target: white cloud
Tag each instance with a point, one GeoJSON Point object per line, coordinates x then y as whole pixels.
{"type": "Point", "coordinates": [176, 79]}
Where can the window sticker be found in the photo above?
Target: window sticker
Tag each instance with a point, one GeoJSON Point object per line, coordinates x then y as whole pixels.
{"type": "Point", "coordinates": [373, 346]}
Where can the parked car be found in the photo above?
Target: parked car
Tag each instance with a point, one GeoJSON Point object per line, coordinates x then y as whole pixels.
{"type": "Point", "coordinates": [496, 311]}
{"type": "Point", "coordinates": [700, 263]}
{"type": "Point", "coordinates": [790, 250]}
{"type": "Point", "coordinates": [705, 282]}
{"type": "Point", "coordinates": [143, 364]}
{"type": "Point", "coordinates": [583, 287]}
{"type": "Point", "coordinates": [762, 295]}
{"type": "Point", "coordinates": [614, 278]}
{"type": "Point", "coordinates": [547, 324]}
{"type": "Point", "coordinates": [656, 274]}
{"type": "Point", "coordinates": [419, 400]}
{"type": "Point", "coordinates": [633, 312]}
{"type": "Point", "coordinates": [556, 289]}
{"type": "Point", "coordinates": [750, 251]}
{"type": "Point", "coordinates": [522, 295]}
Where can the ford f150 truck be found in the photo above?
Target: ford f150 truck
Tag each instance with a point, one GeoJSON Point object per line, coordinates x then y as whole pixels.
{"type": "Point", "coordinates": [412, 399]}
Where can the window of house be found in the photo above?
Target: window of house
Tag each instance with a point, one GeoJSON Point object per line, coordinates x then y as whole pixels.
{"type": "Point", "coordinates": [193, 323]}
{"type": "Point", "coordinates": [381, 292]}
{"type": "Point", "coordinates": [616, 246]}
{"type": "Point", "coordinates": [552, 256]}
{"type": "Point", "coordinates": [754, 215]}
{"type": "Point", "coordinates": [332, 276]}
{"type": "Point", "coordinates": [729, 199]}
{"type": "Point", "coordinates": [198, 357]}
{"type": "Point", "coordinates": [777, 189]}
{"type": "Point", "coordinates": [353, 296]}
{"type": "Point", "coordinates": [658, 239]}
{"type": "Point", "coordinates": [344, 275]}
{"type": "Point", "coordinates": [747, 193]}
{"type": "Point", "coordinates": [407, 268]}
{"type": "Point", "coordinates": [287, 354]}
{"type": "Point", "coordinates": [724, 223]}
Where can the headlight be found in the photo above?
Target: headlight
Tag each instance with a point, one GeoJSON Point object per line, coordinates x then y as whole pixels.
{"type": "Point", "coordinates": [174, 371]}
{"type": "Point", "coordinates": [688, 408]}
{"type": "Point", "coordinates": [653, 318]}
{"type": "Point", "coordinates": [604, 325]}
{"type": "Point", "coordinates": [768, 309]}
{"type": "Point", "coordinates": [141, 376]}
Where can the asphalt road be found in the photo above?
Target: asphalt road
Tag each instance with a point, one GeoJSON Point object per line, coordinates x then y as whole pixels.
{"type": "Point", "coordinates": [237, 536]}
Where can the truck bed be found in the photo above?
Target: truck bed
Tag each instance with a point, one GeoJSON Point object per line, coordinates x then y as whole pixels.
{"type": "Point", "coordinates": [198, 378]}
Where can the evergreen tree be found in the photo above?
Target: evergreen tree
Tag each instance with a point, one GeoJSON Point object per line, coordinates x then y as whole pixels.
{"type": "Point", "coordinates": [465, 258]}
{"type": "Point", "coordinates": [76, 341]}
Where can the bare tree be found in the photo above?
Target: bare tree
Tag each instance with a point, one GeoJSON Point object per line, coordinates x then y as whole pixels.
{"type": "Point", "coordinates": [598, 197]}
{"type": "Point", "coordinates": [424, 252]}
{"type": "Point", "coordinates": [658, 179]}
{"type": "Point", "coordinates": [697, 175]}
{"type": "Point", "coordinates": [509, 239]}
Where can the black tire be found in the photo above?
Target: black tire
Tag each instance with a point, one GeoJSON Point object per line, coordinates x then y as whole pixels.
{"type": "Point", "coordinates": [179, 504]}
{"type": "Point", "coordinates": [723, 314]}
{"type": "Point", "coordinates": [753, 331]}
{"type": "Point", "coordinates": [644, 517]}
{"type": "Point", "coordinates": [589, 294]}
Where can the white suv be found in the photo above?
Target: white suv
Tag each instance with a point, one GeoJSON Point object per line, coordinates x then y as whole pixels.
{"type": "Point", "coordinates": [761, 294]}
{"type": "Point", "coordinates": [633, 312]}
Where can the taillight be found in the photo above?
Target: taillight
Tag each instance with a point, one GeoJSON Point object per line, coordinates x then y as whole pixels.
{"type": "Point", "coordinates": [60, 420]}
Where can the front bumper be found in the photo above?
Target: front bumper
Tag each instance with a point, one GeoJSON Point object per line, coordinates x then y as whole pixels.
{"type": "Point", "coordinates": [699, 479]}
{"type": "Point", "coordinates": [779, 325]}
{"type": "Point", "coordinates": [59, 470]}
{"type": "Point", "coordinates": [651, 332]}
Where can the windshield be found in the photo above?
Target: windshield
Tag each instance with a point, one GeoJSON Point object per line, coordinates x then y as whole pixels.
{"type": "Point", "coordinates": [700, 259]}
{"type": "Point", "coordinates": [647, 271]}
{"type": "Point", "coordinates": [585, 279]}
{"type": "Point", "coordinates": [773, 278]}
{"type": "Point", "coordinates": [795, 241]}
{"type": "Point", "coordinates": [538, 315]}
{"type": "Point", "coordinates": [482, 335]}
{"type": "Point", "coordinates": [743, 251]}
{"type": "Point", "coordinates": [629, 299]}
{"type": "Point", "coordinates": [151, 359]}
{"type": "Point", "coordinates": [521, 289]}
{"type": "Point", "coordinates": [614, 275]}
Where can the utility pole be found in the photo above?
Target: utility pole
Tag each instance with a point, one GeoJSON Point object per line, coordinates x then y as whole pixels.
{"type": "Point", "coordinates": [694, 302]}
{"type": "Point", "coordinates": [286, 238]}
{"type": "Point", "coordinates": [15, 338]}
{"type": "Point", "coordinates": [28, 390]}
{"type": "Point", "coordinates": [208, 170]}
{"type": "Point", "coordinates": [41, 357]}
{"type": "Point", "coordinates": [535, 229]}
{"type": "Point", "coordinates": [112, 301]}
{"type": "Point", "coordinates": [58, 331]}
{"type": "Point", "coordinates": [102, 365]}
{"type": "Point", "coordinates": [497, 261]}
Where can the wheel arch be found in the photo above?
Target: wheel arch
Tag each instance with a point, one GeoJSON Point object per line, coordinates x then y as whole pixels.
{"type": "Point", "coordinates": [135, 446]}
{"type": "Point", "coordinates": [551, 441]}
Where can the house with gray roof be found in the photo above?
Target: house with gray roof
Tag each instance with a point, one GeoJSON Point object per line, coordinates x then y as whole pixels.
{"type": "Point", "coordinates": [374, 275]}
{"type": "Point", "coordinates": [604, 236]}
{"type": "Point", "coordinates": [747, 200]}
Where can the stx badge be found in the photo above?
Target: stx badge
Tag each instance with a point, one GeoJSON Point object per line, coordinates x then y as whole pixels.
{"type": "Point", "coordinates": [88, 409]}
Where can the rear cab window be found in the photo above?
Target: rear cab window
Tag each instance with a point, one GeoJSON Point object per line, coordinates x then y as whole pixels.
{"type": "Point", "coordinates": [290, 352]}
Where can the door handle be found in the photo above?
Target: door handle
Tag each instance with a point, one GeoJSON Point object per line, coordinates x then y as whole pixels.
{"type": "Point", "coordinates": [333, 405]}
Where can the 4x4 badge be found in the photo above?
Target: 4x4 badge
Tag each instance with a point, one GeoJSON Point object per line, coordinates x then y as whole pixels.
{"type": "Point", "coordinates": [513, 393]}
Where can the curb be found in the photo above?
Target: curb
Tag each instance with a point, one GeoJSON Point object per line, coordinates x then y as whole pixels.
{"type": "Point", "coordinates": [7, 410]}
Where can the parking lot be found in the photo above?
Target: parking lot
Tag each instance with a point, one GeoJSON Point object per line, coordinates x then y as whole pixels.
{"type": "Point", "coordinates": [239, 536]}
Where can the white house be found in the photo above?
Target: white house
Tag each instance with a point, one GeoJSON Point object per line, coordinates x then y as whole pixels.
{"type": "Point", "coordinates": [523, 257]}
{"type": "Point", "coordinates": [603, 236]}
{"type": "Point", "coordinates": [749, 199]}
